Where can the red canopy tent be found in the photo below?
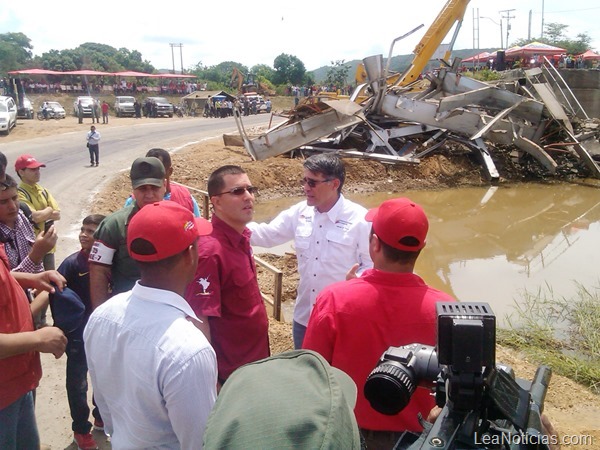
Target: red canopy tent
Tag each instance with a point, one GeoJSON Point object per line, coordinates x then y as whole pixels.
{"type": "Point", "coordinates": [534, 48]}
{"type": "Point", "coordinates": [589, 56]}
{"type": "Point", "coordinates": [87, 72]}
{"type": "Point", "coordinates": [483, 56]}
{"type": "Point", "coordinates": [34, 72]}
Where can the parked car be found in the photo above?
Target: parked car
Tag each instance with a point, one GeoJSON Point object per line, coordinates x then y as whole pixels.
{"type": "Point", "coordinates": [8, 114]}
{"type": "Point", "coordinates": [54, 110]}
{"type": "Point", "coordinates": [261, 105]}
{"type": "Point", "coordinates": [124, 106]}
{"type": "Point", "coordinates": [87, 103]}
{"type": "Point", "coordinates": [26, 110]}
{"type": "Point", "coordinates": [158, 106]}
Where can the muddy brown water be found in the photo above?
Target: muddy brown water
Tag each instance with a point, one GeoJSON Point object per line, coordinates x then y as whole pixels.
{"type": "Point", "coordinates": [493, 244]}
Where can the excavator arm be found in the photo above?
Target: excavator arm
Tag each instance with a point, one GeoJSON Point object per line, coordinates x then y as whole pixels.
{"type": "Point", "coordinates": [453, 12]}
{"type": "Point", "coordinates": [237, 80]}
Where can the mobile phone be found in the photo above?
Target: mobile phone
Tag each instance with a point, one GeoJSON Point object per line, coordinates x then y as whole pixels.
{"type": "Point", "coordinates": [47, 225]}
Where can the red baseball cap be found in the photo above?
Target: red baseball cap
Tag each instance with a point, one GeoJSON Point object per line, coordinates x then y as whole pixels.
{"type": "Point", "coordinates": [27, 162]}
{"type": "Point", "coordinates": [397, 219]}
{"type": "Point", "coordinates": [167, 227]}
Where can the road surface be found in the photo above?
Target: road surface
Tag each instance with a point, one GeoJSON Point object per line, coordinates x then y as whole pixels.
{"type": "Point", "coordinates": [71, 180]}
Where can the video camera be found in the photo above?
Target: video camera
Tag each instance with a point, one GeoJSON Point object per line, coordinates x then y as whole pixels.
{"type": "Point", "coordinates": [484, 405]}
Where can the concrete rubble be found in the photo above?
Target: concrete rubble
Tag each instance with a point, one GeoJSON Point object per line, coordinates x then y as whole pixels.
{"type": "Point", "coordinates": [529, 115]}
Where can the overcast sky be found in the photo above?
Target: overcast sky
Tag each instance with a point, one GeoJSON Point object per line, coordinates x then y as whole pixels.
{"type": "Point", "coordinates": [251, 32]}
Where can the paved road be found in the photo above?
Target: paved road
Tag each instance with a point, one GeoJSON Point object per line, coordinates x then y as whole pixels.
{"type": "Point", "coordinates": [73, 183]}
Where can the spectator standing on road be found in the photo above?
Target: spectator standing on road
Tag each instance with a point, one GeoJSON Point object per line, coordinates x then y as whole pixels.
{"type": "Point", "coordinates": [80, 111]}
{"type": "Point", "coordinates": [20, 347]}
{"type": "Point", "coordinates": [112, 270]}
{"type": "Point", "coordinates": [329, 231]}
{"type": "Point", "coordinates": [93, 145]}
{"type": "Point", "coordinates": [41, 203]}
{"type": "Point", "coordinates": [94, 109]}
{"type": "Point", "coordinates": [353, 322]}
{"type": "Point", "coordinates": [138, 109]}
{"type": "Point", "coordinates": [153, 371]}
{"type": "Point", "coordinates": [104, 112]}
{"type": "Point", "coordinates": [225, 293]}
{"type": "Point", "coordinates": [76, 270]}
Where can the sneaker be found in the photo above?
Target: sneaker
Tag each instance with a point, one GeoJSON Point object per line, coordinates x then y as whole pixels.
{"type": "Point", "coordinates": [98, 425]}
{"type": "Point", "coordinates": [85, 441]}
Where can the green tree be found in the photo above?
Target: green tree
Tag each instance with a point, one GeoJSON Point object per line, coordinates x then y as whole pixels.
{"type": "Point", "coordinates": [555, 34]}
{"type": "Point", "coordinates": [263, 72]}
{"type": "Point", "coordinates": [337, 73]}
{"type": "Point", "coordinates": [15, 51]}
{"type": "Point", "coordinates": [288, 69]}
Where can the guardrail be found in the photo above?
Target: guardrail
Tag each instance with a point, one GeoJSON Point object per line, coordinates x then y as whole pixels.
{"type": "Point", "coordinates": [273, 298]}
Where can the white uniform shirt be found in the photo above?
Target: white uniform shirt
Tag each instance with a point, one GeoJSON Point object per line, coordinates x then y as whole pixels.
{"type": "Point", "coordinates": [327, 245]}
{"type": "Point", "coordinates": [93, 138]}
{"type": "Point", "coordinates": [153, 372]}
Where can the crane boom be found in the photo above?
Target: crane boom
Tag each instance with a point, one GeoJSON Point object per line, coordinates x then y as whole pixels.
{"type": "Point", "coordinates": [452, 12]}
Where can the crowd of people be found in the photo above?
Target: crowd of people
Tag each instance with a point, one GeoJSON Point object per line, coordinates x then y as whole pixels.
{"type": "Point", "coordinates": [164, 310]}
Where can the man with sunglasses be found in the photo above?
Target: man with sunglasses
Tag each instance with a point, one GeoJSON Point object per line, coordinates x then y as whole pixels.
{"type": "Point", "coordinates": [225, 293]}
{"type": "Point", "coordinates": [329, 231]}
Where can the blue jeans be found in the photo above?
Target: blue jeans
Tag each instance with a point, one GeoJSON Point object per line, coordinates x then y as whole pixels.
{"type": "Point", "coordinates": [18, 429]}
{"type": "Point", "coordinates": [77, 387]}
{"type": "Point", "coordinates": [94, 153]}
{"type": "Point", "coordinates": [298, 332]}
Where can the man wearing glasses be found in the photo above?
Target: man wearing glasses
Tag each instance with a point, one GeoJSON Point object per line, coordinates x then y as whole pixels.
{"type": "Point", "coordinates": [225, 293]}
{"type": "Point", "coordinates": [329, 231]}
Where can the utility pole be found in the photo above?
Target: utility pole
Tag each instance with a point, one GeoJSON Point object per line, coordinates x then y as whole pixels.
{"type": "Point", "coordinates": [180, 55]}
{"type": "Point", "coordinates": [542, 35]}
{"type": "Point", "coordinates": [476, 29]}
{"type": "Point", "coordinates": [507, 17]}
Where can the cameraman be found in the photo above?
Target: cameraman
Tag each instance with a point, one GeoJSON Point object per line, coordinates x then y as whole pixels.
{"type": "Point", "coordinates": [354, 322]}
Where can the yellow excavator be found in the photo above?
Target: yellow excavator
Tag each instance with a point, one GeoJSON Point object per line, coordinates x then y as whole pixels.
{"type": "Point", "coordinates": [452, 12]}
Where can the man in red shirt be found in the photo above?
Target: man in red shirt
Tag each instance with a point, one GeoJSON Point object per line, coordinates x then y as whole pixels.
{"type": "Point", "coordinates": [104, 108]}
{"type": "Point", "coordinates": [20, 344]}
{"type": "Point", "coordinates": [225, 293]}
{"type": "Point", "coordinates": [354, 322]}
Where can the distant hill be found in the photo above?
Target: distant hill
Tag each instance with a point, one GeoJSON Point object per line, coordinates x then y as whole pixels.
{"type": "Point", "coordinates": [398, 63]}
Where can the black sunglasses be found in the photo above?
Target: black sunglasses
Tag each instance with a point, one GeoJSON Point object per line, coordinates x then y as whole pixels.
{"type": "Point", "coordinates": [252, 190]}
{"type": "Point", "coordinates": [312, 183]}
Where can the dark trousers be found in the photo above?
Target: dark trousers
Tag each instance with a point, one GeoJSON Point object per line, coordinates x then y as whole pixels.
{"type": "Point", "coordinates": [94, 153]}
{"type": "Point", "coordinates": [77, 387]}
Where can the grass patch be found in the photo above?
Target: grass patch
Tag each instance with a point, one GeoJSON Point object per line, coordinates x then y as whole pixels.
{"type": "Point", "coordinates": [559, 332]}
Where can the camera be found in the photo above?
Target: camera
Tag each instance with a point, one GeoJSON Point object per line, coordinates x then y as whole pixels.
{"type": "Point", "coordinates": [484, 405]}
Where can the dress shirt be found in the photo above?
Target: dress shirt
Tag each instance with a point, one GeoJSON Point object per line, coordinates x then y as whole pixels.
{"type": "Point", "coordinates": [327, 245]}
{"type": "Point", "coordinates": [93, 138]}
{"type": "Point", "coordinates": [154, 373]}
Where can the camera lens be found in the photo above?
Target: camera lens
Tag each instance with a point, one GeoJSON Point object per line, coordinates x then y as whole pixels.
{"type": "Point", "coordinates": [389, 387]}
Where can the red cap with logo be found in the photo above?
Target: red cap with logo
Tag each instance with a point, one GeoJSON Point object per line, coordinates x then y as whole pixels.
{"type": "Point", "coordinates": [27, 162]}
{"type": "Point", "coordinates": [397, 219]}
{"type": "Point", "coordinates": [167, 229]}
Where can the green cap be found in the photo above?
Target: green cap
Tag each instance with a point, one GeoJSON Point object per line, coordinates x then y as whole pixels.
{"type": "Point", "coordinates": [291, 400]}
{"type": "Point", "coordinates": [147, 171]}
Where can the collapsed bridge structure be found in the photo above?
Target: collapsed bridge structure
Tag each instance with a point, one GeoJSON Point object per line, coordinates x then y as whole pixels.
{"type": "Point", "coordinates": [398, 119]}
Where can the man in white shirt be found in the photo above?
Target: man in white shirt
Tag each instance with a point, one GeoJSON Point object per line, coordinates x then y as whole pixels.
{"type": "Point", "coordinates": [329, 231]}
{"type": "Point", "coordinates": [153, 371]}
{"type": "Point", "coordinates": [93, 145]}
